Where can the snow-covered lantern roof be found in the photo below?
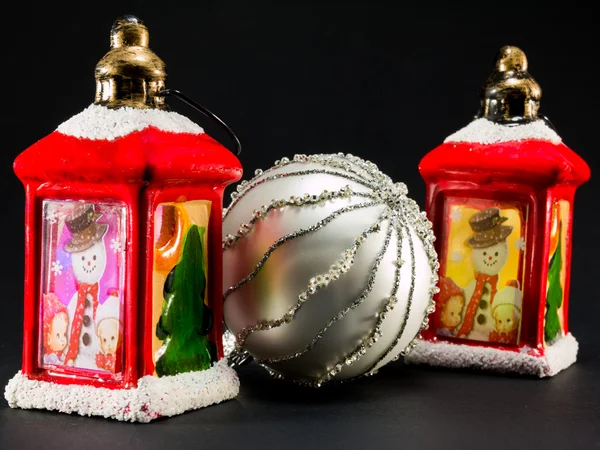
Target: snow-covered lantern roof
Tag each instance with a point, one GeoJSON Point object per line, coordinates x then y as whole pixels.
{"type": "Point", "coordinates": [500, 195]}
{"type": "Point", "coordinates": [123, 244]}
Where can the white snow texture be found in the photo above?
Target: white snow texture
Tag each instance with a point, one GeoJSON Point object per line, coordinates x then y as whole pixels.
{"type": "Point", "coordinates": [100, 122]}
{"type": "Point", "coordinates": [557, 357]}
{"type": "Point", "coordinates": [153, 398]}
{"type": "Point", "coordinates": [484, 131]}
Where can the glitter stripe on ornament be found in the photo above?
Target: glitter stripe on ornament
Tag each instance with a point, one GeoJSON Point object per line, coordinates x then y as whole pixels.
{"type": "Point", "coordinates": [389, 194]}
{"type": "Point", "coordinates": [368, 342]}
{"type": "Point", "coordinates": [328, 160]}
{"type": "Point", "coordinates": [390, 349]}
{"type": "Point", "coordinates": [427, 237]}
{"type": "Point", "coordinates": [277, 375]}
{"type": "Point", "coordinates": [243, 190]}
{"type": "Point", "coordinates": [324, 159]}
{"type": "Point", "coordinates": [288, 237]}
{"type": "Point", "coordinates": [340, 267]}
{"type": "Point", "coordinates": [423, 231]}
{"type": "Point", "coordinates": [307, 199]}
{"type": "Point", "coordinates": [377, 177]}
{"type": "Point", "coordinates": [339, 316]}
{"type": "Point", "coordinates": [425, 322]}
{"type": "Point", "coordinates": [373, 336]}
{"type": "Point", "coordinates": [332, 161]}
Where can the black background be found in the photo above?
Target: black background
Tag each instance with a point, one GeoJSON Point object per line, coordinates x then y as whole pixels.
{"type": "Point", "coordinates": [387, 83]}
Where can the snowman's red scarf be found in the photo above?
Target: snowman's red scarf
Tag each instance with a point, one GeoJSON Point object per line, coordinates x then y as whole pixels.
{"type": "Point", "coordinates": [82, 290]}
{"type": "Point", "coordinates": [481, 279]}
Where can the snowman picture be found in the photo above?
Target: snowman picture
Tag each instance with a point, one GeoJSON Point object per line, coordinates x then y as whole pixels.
{"type": "Point", "coordinates": [489, 252]}
{"type": "Point", "coordinates": [88, 261]}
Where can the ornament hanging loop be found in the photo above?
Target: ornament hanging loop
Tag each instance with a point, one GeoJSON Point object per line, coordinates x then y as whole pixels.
{"type": "Point", "coordinates": [198, 107]}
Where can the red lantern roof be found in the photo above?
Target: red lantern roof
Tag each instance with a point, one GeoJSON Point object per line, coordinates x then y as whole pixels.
{"type": "Point", "coordinates": [529, 160]}
{"type": "Point", "coordinates": [145, 155]}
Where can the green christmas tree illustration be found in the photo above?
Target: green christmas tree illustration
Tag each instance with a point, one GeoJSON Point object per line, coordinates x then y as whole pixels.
{"type": "Point", "coordinates": [555, 293]}
{"type": "Point", "coordinates": [185, 320]}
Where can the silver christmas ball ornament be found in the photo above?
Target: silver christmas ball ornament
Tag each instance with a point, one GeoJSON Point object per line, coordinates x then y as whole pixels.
{"type": "Point", "coordinates": [329, 268]}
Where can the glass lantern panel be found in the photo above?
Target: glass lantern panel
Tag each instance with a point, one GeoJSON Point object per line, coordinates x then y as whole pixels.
{"type": "Point", "coordinates": [481, 274]}
{"type": "Point", "coordinates": [554, 316]}
{"type": "Point", "coordinates": [82, 285]}
{"type": "Point", "coordinates": [181, 314]}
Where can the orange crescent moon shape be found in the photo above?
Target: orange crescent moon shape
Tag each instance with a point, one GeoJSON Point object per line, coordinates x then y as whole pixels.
{"type": "Point", "coordinates": [174, 223]}
{"type": "Point", "coordinates": [554, 228]}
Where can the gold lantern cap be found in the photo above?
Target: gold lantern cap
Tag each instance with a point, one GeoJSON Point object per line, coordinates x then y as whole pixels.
{"type": "Point", "coordinates": [130, 74]}
{"type": "Point", "coordinates": [510, 94]}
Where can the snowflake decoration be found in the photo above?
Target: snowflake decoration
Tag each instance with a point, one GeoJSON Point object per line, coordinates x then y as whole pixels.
{"type": "Point", "coordinates": [52, 217]}
{"type": "Point", "coordinates": [56, 268]}
{"type": "Point", "coordinates": [456, 257]}
{"type": "Point", "coordinates": [520, 244]}
{"type": "Point", "coordinates": [115, 245]}
{"type": "Point", "coordinates": [456, 214]}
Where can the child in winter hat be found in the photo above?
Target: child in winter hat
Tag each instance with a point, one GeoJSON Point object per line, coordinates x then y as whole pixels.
{"type": "Point", "coordinates": [56, 324]}
{"type": "Point", "coordinates": [451, 301]}
{"type": "Point", "coordinates": [110, 334]}
{"type": "Point", "coordinates": [506, 311]}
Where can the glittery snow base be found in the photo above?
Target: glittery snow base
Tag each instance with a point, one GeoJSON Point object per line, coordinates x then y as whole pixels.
{"type": "Point", "coordinates": [484, 131]}
{"type": "Point", "coordinates": [153, 398]}
{"type": "Point", "coordinates": [100, 122]}
{"type": "Point", "coordinates": [557, 357]}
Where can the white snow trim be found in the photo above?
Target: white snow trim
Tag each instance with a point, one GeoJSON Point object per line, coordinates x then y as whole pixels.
{"type": "Point", "coordinates": [100, 122]}
{"type": "Point", "coordinates": [484, 131]}
{"type": "Point", "coordinates": [557, 357]}
{"type": "Point", "coordinates": [153, 398]}
{"type": "Point", "coordinates": [561, 354]}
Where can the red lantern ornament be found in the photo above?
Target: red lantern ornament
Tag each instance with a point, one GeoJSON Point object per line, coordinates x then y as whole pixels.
{"type": "Point", "coordinates": [500, 196]}
{"type": "Point", "coordinates": [123, 241]}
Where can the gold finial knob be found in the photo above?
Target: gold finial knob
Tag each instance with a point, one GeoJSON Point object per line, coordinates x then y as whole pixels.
{"type": "Point", "coordinates": [510, 94]}
{"type": "Point", "coordinates": [130, 74]}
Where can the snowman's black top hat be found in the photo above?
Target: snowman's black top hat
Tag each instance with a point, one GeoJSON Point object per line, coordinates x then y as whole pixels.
{"type": "Point", "coordinates": [82, 223]}
{"type": "Point", "coordinates": [488, 228]}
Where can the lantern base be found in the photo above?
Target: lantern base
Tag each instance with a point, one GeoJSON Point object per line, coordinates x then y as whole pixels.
{"type": "Point", "coordinates": [524, 360]}
{"type": "Point", "coordinates": [152, 398]}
